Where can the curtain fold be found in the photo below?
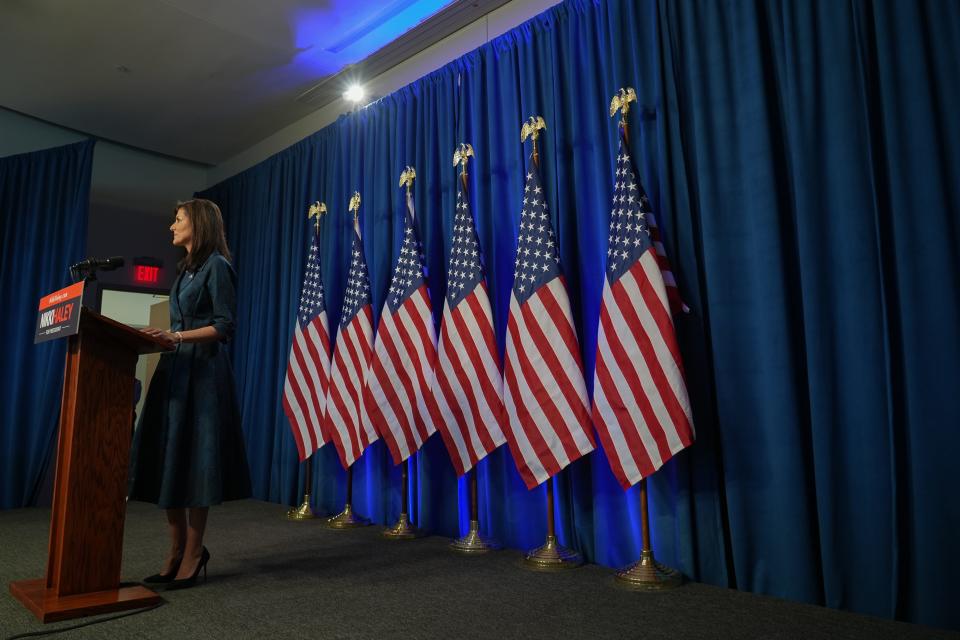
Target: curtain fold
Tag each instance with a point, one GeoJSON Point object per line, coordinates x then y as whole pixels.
{"type": "Point", "coordinates": [44, 203]}
{"type": "Point", "coordinates": [802, 162]}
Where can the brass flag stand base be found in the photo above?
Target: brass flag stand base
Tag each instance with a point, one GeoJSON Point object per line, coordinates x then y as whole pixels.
{"type": "Point", "coordinates": [552, 556]}
{"type": "Point", "coordinates": [649, 575]}
{"type": "Point", "coordinates": [403, 529]}
{"type": "Point", "coordinates": [473, 543]}
{"type": "Point", "coordinates": [347, 519]}
{"type": "Point", "coordinates": [303, 512]}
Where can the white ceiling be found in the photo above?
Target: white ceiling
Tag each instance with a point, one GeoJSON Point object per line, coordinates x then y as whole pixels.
{"type": "Point", "coordinates": [195, 79]}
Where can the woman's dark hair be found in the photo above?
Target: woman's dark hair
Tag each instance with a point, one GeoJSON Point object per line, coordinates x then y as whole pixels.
{"type": "Point", "coordinates": [208, 235]}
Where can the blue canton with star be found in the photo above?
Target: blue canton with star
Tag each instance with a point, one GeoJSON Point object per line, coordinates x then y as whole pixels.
{"type": "Point", "coordinates": [358, 283]}
{"type": "Point", "coordinates": [465, 270]}
{"type": "Point", "coordinates": [629, 234]}
{"type": "Point", "coordinates": [408, 275]}
{"type": "Point", "coordinates": [538, 261]}
{"type": "Point", "coordinates": [311, 296]}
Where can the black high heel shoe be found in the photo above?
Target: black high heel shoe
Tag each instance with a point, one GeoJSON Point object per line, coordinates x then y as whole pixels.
{"type": "Point", "coordinates": [163, 578]}
{"type": "Point", "coordinates": [186, 583]}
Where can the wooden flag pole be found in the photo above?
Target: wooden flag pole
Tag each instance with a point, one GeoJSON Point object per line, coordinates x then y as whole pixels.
{"type": "Point", "coordinates": [403, 529]}
{"type": "Point", "coordinates": [303, 512]}
{"type": "Point", "coordinates": [347, 519]}
{"type": "Point", "coordinates": [551, 556]}
{"type": "Point", "coordinates": [646, 574]}
{"type": "Point", "coordinates": [473, 543]}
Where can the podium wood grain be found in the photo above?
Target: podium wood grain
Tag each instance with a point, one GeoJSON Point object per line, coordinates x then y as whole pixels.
{"type": "Point", "coordinates": [89, 505]}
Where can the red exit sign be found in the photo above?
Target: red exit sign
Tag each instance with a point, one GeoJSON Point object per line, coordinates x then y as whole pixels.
{"type": "Point", "coordinates": [146, 274]}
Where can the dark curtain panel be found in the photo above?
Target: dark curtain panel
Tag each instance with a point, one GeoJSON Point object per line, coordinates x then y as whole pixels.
{"type": "Point", "coordinates": [44, 200]}
{"type": "Point", "coordinates": [813, 162]}
{"type": "Point", "coordinates": [802, 159]}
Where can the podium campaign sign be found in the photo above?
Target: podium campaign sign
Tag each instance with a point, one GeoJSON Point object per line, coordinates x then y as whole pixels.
{"type": "Point", "coordinates": [59, 314]}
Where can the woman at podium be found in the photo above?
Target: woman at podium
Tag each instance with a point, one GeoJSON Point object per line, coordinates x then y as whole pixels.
{"type": "Point", "coordinates": [188, 451]}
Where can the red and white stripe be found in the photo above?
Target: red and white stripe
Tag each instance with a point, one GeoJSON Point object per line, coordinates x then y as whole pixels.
{"type": "Point", "coordinates": [641, 407]}
{"type": "Point", "coordinates": [347, 423]}
{"type": "Point", "coordinates": [468, 388]}
{"type": "Point", "coordinates": [544, 391]}
{"type": "Point", "coordinates": [401, 375]}
{"type": "Point", "coordinates": [673, 291]}
{"type": "Point", "coordinates": [305, 384]}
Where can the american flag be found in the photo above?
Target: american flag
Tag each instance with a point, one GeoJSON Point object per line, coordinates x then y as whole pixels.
{"type": "Point", "coordinates": [469, 385]}
{"type": "Point", "coordinates": [544, 392]}
{"type": "Point", "coordinates": [308, 368]}
{"type": "Point", "coordinates": [640, 403]}
{"type": "Point", "coordinates": [401, 373]}
{"type": "Point", "coordinates": [347, 424]}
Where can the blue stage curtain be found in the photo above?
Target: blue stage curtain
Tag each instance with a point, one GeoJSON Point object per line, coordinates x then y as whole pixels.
{"type": "Point", "coordinates": [802, 160]}
{"type": "Point", "coordinates": [813, 162]}
{"type": "Point", "coordinates": [44, 200]}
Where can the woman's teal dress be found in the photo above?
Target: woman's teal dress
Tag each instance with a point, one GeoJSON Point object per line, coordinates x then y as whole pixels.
{"type": "Point", "coordinates": [188, 448]}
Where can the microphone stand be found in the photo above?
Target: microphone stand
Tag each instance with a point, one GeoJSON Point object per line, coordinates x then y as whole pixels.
{"type": "Point", "coordinates": [90, 285]}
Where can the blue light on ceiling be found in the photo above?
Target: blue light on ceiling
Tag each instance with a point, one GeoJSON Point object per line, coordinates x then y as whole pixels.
{"type": "Point", "coordinates": [347, 31]}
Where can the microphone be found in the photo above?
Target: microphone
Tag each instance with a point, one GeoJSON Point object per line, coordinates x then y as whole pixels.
{"type": "Point", "coordinates": [101, 264]}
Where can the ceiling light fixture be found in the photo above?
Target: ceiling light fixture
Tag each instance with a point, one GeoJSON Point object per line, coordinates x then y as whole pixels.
{"type": "Point", "coordinates": [354, 93]}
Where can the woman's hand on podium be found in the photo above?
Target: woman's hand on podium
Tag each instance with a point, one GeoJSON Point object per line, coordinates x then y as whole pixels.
{"type": "Point", "coordinates": [170, 339]}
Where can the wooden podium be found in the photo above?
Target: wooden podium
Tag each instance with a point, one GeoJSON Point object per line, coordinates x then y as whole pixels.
{"type": "Point", "coordinates": [89, 494]}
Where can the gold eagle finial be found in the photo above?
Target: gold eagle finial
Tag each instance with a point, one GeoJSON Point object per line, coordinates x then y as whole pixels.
{"type": "Point", "coordinates": [407, 177]}
{"type": "Point", "coordinates": [621, 101]}
{"type": "Point", "coordinates": [532, 127]}
{"type": "Point", "coordinates": [317, 209]}
{"type": "Point", "coordinates": [355, 207]}
{"type": "Point", "coordinates": [462, 155]}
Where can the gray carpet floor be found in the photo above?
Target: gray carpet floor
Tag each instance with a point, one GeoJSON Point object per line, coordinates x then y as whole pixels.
{"type": "Point", "coordinates": [271, 578]}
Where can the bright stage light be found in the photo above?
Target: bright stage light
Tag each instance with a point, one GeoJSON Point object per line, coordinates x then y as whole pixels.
{"type": "Point", "coordinates": [354, 93]}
